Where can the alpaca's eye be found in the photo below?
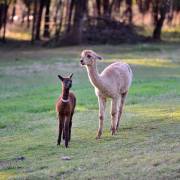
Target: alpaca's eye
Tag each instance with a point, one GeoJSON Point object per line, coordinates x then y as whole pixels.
{"type": "Point", "coordinates": [88, 56]}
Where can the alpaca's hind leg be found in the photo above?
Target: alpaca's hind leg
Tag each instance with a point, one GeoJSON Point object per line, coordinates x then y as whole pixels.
{"type": "Point", "coordinates": [61, 123]}
{"type": "Point", "coordinates": [123, 97]}
{"type": "Point", "coordinates": [114, 114]}
{"type": "Point", "coordinates": [102, 106]}
{"type": "Point", "coordinates": [64, 132]}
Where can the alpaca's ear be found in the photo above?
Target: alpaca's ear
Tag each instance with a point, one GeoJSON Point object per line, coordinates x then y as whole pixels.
{"type": "Point", "coordinates": [60, 77]}
{"type": "Point", "coordinates": [71, 76]}
{"type": "Point", "coordinates": [99, 57]}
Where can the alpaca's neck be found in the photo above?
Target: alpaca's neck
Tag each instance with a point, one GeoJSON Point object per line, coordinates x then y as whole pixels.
{"type": "Point", "coordinates": [94, 77]}
{"type": "Point", "coordinates": [65, 93]}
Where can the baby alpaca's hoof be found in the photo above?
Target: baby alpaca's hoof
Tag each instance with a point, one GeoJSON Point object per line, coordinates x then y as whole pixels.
{"type": "Point", "coordinates": [66, 145]}
{"type": "Point", "coordinates": [58, 143]}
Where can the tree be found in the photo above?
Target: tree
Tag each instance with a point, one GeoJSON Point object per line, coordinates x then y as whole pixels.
{"type": "Point", "coordinates": [39, 19]}
{"type": "Point", "coordinates": [80, 7]}
{"type": "Point", "coordinates": [28, 4]}
{"type": "Point", "coordinates": [3, 17]}
{"type": "Point", "coordinates": [39, 6]}
{"type": "Point", "coordinates": [58, 18]}
{"type": "Point", "coordinates": [47, 19]}
{"type": "Point", "coordinates": [160, 8]}
{"type": "Point", "coordinates": [129, 10]}
{"type": "Point", "coordinates": [35, 8]}
{"type": "Point", "coordinates": [72, 3]}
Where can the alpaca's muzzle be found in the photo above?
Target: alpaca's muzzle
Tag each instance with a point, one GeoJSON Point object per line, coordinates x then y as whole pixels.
{"type": "Point", "coordinates": [82, 62]}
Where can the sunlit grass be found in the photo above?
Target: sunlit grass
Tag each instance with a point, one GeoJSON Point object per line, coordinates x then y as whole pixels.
{"type": "Point", "coordinates": [150, 112]}
{"type": "Point", "coordinates": [149, 62]}
{"type": "Point", "coordinates": [5, 175]}
{"type": "Point", "coordinates": [171, 33]}
{"type": "Point", "coordinates": [18, 35]}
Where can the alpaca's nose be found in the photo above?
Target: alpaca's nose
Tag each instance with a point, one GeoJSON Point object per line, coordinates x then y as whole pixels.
{"type": "Point", "coordinates": [81, 61]}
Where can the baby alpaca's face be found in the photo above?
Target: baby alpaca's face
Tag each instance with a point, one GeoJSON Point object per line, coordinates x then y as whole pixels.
{"type": "Point", "coordinates": [67, 83]}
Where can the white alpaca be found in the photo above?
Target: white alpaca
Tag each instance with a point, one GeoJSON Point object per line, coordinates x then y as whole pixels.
{"type": "Point", "coordinates": [113, 82]}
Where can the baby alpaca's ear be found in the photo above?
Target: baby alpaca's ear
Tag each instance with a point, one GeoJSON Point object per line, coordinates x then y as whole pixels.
{"type": "Point", "coordinates": [60, 77]}
{"type": "Point", "coordinates": [71, 76]}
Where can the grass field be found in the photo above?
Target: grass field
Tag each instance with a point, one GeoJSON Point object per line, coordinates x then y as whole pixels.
{"type": "Point", "coordinates": [147, 145]}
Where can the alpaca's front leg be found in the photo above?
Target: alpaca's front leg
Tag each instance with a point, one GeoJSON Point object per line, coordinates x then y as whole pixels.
{"type": "Point", "coordinates": [114, 114]}
{"type": "Point", "coordinates": [66, 131]}
{"type": "Point", "coordinates": [61, 123]}
{"type": "Point", "coordinates": [102, 106]}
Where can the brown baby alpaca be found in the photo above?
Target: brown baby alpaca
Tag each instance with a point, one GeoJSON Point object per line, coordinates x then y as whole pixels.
{"type": "Point", "coordinates": [65, 109]}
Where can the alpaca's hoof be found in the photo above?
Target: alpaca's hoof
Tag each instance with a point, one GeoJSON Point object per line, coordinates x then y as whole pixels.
{"type": "Point", "coordinates": [117, 127]}
{"type": "Point", "coordinates": [113, 133]}
{"type": "Point", "coordinates": [66, 143]}
{"type": "Point", "coordinates": [58, 142]}
{"type": "Point", "coordinates": [99, 135]}
{"type": "Point", "coordinates": [113, 130]}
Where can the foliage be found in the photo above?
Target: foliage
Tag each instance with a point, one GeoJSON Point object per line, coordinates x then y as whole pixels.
{"type": "Point", "coordinates": [65, 21]}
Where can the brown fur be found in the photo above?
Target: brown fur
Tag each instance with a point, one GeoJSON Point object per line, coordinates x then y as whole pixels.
{"type": "Point", "coordinates": [65, 110]}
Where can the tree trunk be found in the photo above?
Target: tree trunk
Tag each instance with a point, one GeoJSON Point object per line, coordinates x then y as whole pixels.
{"type": "Point", "coordinates": [28, 15]}
{"type": "Point", "coordinates": [13, 14]}
{"type": "Point", "coordinates": [70, 15]}
{"type": "Point", "coordinates": [107, 8]}
{"type": "Point", "coordinates": [47, 20]}
{"type": "Point", "coordinates": [98, 4]}
{"type": "Point", "coordinates": [158, 27]}
{"type": "Point", "coordinates": [129, 10]}
{"type": "Point", "coordinates": [34, 21]}
{"type": "Point", "coordinates": [106, 5]}
{"type": "Point", "coordinates": [5, 20]}
{"type": "Point", "coordinates": [1, 15]}
{"type": "Point", "coordinates": [117, 5]}
{"type": "Point", "coordinates": [39, 19]}
{"type": "Point", "coordinates": [160, 8]}
{"type": "Point", "coordinates": [58, 22]}
{"type": "Point", "coordinates": [80, 8]}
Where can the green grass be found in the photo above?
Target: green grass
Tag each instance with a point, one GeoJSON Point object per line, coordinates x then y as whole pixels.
{"type": "Point", "coordinates": [147, 145]}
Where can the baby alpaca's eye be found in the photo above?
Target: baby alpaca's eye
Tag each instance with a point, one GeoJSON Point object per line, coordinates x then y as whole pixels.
{"type": "Point", "coordinates": [88, 56]}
